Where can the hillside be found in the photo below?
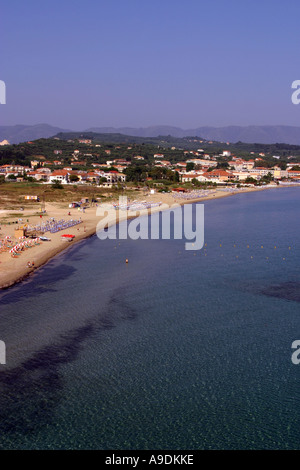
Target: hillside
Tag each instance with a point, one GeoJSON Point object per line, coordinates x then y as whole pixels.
{"type": "Point", "coordinates": [233, 134]}
{"type": "Point", "coordinates": [23, 133]}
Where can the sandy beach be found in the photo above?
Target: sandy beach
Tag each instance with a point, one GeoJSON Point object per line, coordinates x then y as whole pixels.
{"type": "Point", "coordinates": [13, 270]}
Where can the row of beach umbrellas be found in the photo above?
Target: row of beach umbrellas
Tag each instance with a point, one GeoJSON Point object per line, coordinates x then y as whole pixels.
{"type": "Point", "coordinates": [23, 245]}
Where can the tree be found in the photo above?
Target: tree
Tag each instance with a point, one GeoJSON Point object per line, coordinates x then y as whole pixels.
{"type": "Point", "coordinates": [222, 166]}
{"type": "Point", "coordinates": [190, 166]}
{"type": "Point", "coordinates": [57, 185]}
{"type": "Point", "coordinates": [74, 178]}
{"type": "Point", "coordinates": [135, 173]}
{"type": "Point", "coordinates": [250, 180]}
{"type": "Point", "coordinates": [282, 165]}
{"type": "Point", "coordinates": [267, 178]}
{"type": "Point", "coordinates": [176, 177]}
{"type": "Point", "coordinates": [195, 182]}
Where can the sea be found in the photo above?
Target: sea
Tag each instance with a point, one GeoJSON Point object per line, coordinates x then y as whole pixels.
{"type": "Point", "coordinates": [176, 349]}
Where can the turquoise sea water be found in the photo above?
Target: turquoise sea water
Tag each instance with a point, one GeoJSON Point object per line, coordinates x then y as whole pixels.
{"type": "Point", "coordinates": [176, 350]}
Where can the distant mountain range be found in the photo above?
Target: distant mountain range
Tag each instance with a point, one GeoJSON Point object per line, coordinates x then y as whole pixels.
{"type": "Point", "coordinates": [233, 134]}
{"type": "Point", "coordinates": [248, 134]}
{"type": "Point", "coordinates": [22, 133]}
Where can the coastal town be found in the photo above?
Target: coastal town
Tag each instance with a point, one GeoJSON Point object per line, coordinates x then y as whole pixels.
{"type": "Point", "coordinates": [97, 164]}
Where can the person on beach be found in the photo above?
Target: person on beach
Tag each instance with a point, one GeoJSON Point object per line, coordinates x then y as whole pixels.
{"type": "Point", "coordinates": [28, 264]}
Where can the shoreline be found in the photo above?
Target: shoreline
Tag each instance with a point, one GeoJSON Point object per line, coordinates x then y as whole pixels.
{"type": "Point", "coordinates": [16, 276]}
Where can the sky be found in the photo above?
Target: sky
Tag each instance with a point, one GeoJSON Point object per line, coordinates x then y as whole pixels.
{"type": "Point", "coordinates": [186, 63]}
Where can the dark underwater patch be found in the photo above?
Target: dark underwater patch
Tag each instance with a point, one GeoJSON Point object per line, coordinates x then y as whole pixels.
{"type": "Point", "coordinates": [286, 290]}
{"type": "Point", "coordinates": [38, 284]}
{"type": "Point", "coordinates": [30, 392]}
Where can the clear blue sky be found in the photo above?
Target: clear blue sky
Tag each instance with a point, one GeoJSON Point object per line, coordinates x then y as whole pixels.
{"type": "Point", "coordinates": [186, 63]}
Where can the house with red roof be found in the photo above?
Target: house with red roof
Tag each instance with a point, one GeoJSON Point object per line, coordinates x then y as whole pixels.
{"type": "Point", "coordinates": [62, 176]}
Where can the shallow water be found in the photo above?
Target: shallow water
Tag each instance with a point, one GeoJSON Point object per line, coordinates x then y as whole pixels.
{"type": "Point", "coordinates": [176, 350]}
